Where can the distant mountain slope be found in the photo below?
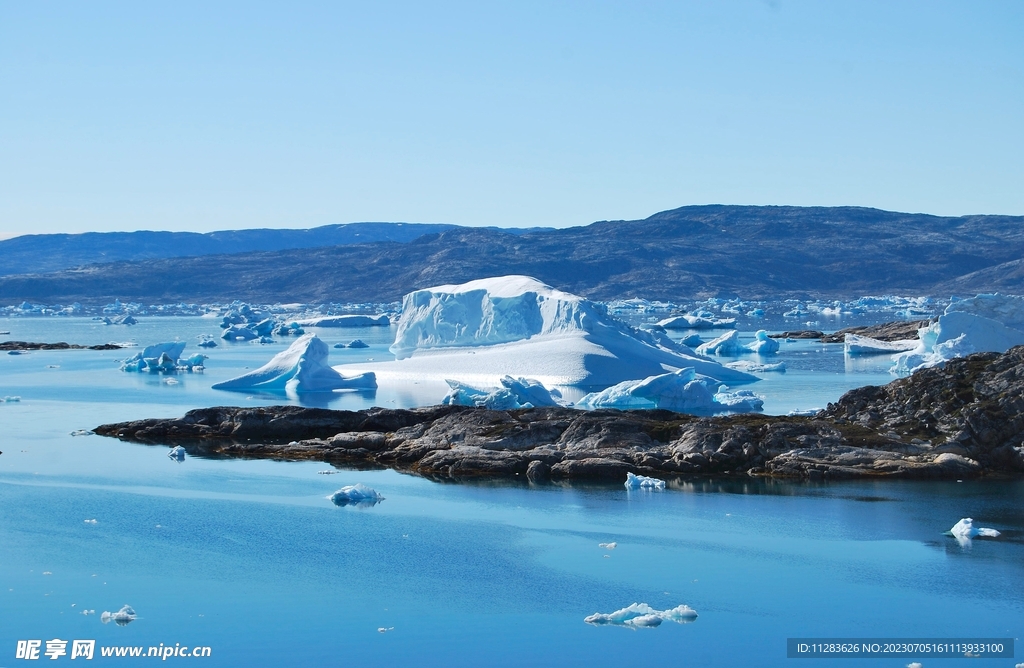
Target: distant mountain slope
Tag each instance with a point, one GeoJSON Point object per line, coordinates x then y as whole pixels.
{"type": "Point", "coordinates": [42, 253]}
{"type": "Point", "coordinates": [753, 252]}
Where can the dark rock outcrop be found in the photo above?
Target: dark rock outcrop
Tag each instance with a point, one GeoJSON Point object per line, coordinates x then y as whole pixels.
{"type": "Point", "coordinates": [966, 419]}
{"type": "Point", "coordinates": [889, 331]}
{"type": "Point", "coordinates": [28, 345]}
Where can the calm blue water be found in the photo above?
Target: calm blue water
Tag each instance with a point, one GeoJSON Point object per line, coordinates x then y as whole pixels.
{"type": "Point", "coordinates": [249, 558]}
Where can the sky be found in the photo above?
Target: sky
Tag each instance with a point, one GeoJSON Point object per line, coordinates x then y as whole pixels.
{"type": "Point", "coordinates": [204, 116]}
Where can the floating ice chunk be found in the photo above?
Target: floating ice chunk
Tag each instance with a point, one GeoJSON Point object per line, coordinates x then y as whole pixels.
{"type": "Point", "coordinates": [301, 368]}
{"type": "Point", "coordinates": [162, 357]}
{"type": "Point", "coordinates": [805, 412]}
{"type": "Point", "coordinates": [726, 344]}
{"type": "Point", "coordinates": [514, 393]}
{"type": "Point", "coordinates": [239, 333]}
{"type": "Point", "coordinates": [854, 344]}
{"type": "Point", "coordinates": [695, 321]}
{"type": "Point", "coordinates": [357, 495]}
{"type": "Point", "coordinates": [641, 615]}
{"type": "Point", "coordinates": [754, 367]}
{"type": "Point", "coordinates": [122, 617]}
{"type": "Point", "coordinates": [756, 313]}
{"type": "Point", "coordinates": [763, 344]}
{"type": "Point", "coordinates": [346, 321]}
{"type": "Point", "coordinates": [208, 343]}
{"type": "Point", "coordinates": [90, 521]}
{"type": "Point", "coordinates": [516, 325]}
{"type": "Point", "coordinates": [608, 546]}
{"type": "Point", "coordinates": [88, 612]}
{"type": "Point", "coordinates": [289, 329]}
{"type": "Point", "coordinates": [965, 529]}
{"type": "Point", "coordinates": [264, 327]}
{"type": "Point", "coordinates": [385, 629]}
{"type": "Point", "coordinates": [634, 481]}
{"type": "Point", "coordinates": [683, 391]}
{"type": "Point", "coordinates": [10, 400]}
{"type": "Point", "coordinates": [81, 432]}
{"type": "Point", "coordinates": [356, 343]}
{"type": "Point", "coordinates": [178, 453]}
{"type": "Point", "coordinates": [692, 341]}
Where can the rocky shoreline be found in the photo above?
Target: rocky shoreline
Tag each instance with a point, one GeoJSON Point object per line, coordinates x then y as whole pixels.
{"type": "Point", "coordinates": [963, 420]}
{"type": "Point", "coordinates": [29, 345]}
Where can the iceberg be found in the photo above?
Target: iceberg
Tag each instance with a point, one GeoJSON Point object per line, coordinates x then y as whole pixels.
{"type": "Point", "coordinates": [301, 368]}
{"type": "Point", "coordinates": [356, 343]}
{"type": "Point", "coordinates": [122, 617]}
{"type": "Point", "coordinates": [177, 453]}
{"type": "Point", "coordinates": [726, 344]}
{"type": "Point", "coordinates": [754, 367]}
{"type": "Point", "coordinates": [160, 357]}
{"type": "Point", "coordinates": [634, 481]}
{"type": "Point", "coordinates": [484, 330]}
{"type": "Point", "coordinates": [683, 391]}
{"type": "Point", "coordinates": [854, 344]}
{"type": "Point", "coordinates": [239, 333]}
{"type": "Point", "coordinates": [763, 344]}
{"type": "Point", "coordinates": [697, 321]}
{"type": "Point", "coordinates": [965, 529]}
{"type": "Point", "coordinates": [985, 323]}
{"type": "Point", "coordinates": [641, 615]}
{"type": "Point", "coordinates": [356, 495]}
{"type": "Point", "coordinates": [346, 321]}
{"type": "Point", "coordinates": [513, 393]}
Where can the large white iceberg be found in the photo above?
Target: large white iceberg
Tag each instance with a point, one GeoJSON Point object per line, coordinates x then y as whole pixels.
{"type": "Point", "coordinates": [483, 330]}
{"type": "Point", "coordinates": [513, 393]}
{"type": "Point", "coordinates": [301, 368]}
{"type": "Point", "coordinates": [641, 615]}
{"type": "Point", "coordinates": [684, 391]}
{"type": "Point", "coordinates": [985, 323]}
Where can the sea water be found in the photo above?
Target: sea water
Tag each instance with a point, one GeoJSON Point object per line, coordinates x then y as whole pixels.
{"type": "Point", "coordinates": [249, 558]}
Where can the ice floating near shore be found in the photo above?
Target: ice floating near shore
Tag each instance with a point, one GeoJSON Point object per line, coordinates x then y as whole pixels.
{"type": "Point", "coordinates": [854, 344]}
{"type": "Point", "coordinates": [634, 481]}
{"type": "Point", "coordinates": [301, 368]}
{"type": "Point", "coordinates": [965, 529]}
{"type": "Point", "coordinates": [641, 615]}
{"type": "Point", "coordinates": [483, 330]}
{"type": "Point", "coordinates": [177, 453]}
{"type": "Point", "coordinates": [754, 367]}
{"type": "Point", "coordinates": [513, 393]}
{"type": "Point", "coordinates": [683, 391]}
{"type": "Point", "coordinates": [985, 323]}
{"type": "Point", "coordinates": [159, 358]}
{"type": "Point", "coordinates": [346, 321]}
{"type": "Point", "coordinates": [356, 495]}
{"type": "Point", "coordinates": [122, 617]}
{"type": "Point", "coordinates": [763, 344]}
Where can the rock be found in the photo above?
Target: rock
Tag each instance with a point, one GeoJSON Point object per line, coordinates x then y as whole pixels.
{"type": "Point", "coordinates": [963, 420]}
{"type": "Point", "coordinates": [899, 330]}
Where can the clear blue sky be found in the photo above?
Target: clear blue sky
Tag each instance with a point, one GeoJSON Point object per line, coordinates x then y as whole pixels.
{"type": "Point", "coordinates": [203, 116]}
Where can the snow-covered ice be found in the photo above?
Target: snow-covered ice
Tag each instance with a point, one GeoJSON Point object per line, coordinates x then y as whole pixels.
{"type": "Point", "coordinates": [301, 368]}
{"type": "Point", "coordinates": [513, 393]}
{"type": "Point", "coordinates": [641, 615]}
{"type": "Point", "coordinates": [346, 321]}
{"type": "Point", "coordinates": [483, 330]}
{"type": "Point", "coordinates": [684, 391]}
{"type": "Point", "coordinates": [727, 344]}
{"type": "Point", "coordinates": [356, 495]}
{"type": "Point", "coordinates": [985, 323]}
{"type": "Point", "coordinates": [854, 344]}
{"type": "Point", "coordinates": [634, 481]}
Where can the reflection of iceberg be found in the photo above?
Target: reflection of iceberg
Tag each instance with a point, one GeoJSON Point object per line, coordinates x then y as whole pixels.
{"type": "Point", "coordinates": [356, 495]}
{"type": "Point", "coordinates": [513, 393]}
{"type": "Point", "coordinates": [483, 330]}
{"type": "Point", "coordinates": [641, 615]}
{"type": "Point", "coordinates": [122, 617]}
{"type": "Point", "coordinates": [985, 323]}
{"type": "Point", "coordinates": [634, 481]}
{"type": "Point", "coordinates": [301, 368]}
{"type": "Point", "coordinates": [683, 391]}
{"type": "Point", "coordinates": [964, 531]}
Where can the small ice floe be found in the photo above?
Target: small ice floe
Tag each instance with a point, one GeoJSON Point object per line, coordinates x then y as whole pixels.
{"type": "Point", "coordinates": [805, 412]}
{"type": "Point", "coordinates": [122, 617]}
{"type": "Point", "coordinates": [47, 572]}
{"type": "Point", "coordinates": [82, 432]}
{"type": "Point", "coordinates": [52, 366]}
{"type": "Point", "coordinates": [356, 495]}
{"type": "Point", "coordinates": [641, 615]}
{"type": "Point", "coordinates": [608, 546]}
{"type": "Point", "coordinates": [177, 453]}
{"type": "Point", "coordinates": [356, 343]}
{"type": "Point", "coordinates": [90, 521]}
{"type": "Point", "coordinates": [171, 381]}
{"type": "Point", "coordinates": [915, 664]}
{"type": "Point", "coordinates": [754, 367]}
{"type": "Point", "coordinates": [88, 612]}
{"type": "Point", "coordinates": [328, 472]}
{"type": "Point", "coordinates": [385, 629]}
{"type": "Point", "coordinates": [964, 531]}
{"type": "Point", "coordinates": [634, 481]}
{"type": "Point", "coordinates": [10, 400]}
